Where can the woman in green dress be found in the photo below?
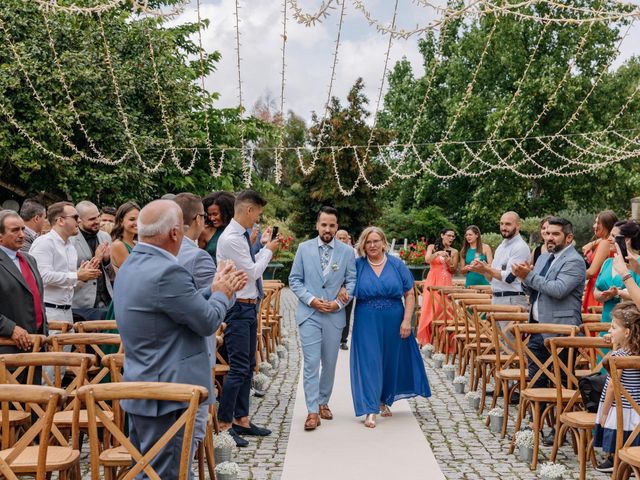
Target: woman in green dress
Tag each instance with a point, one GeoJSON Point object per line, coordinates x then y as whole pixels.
{"type": "Point", "coordinates": [219, 209]}
{"type": "Point", "coordinates": [609, 288]}
{"type": "Point", "coordinates": [474, 249]}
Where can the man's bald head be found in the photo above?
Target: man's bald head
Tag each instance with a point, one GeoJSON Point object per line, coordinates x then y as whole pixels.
{"type": "Point", "coordinates": [510, 224]}
{"type": "Point", "coordinates": [160, 224]}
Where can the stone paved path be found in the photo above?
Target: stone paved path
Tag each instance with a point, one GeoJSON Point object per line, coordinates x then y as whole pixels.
{"type": "Point", "coordinates": [464, 446]}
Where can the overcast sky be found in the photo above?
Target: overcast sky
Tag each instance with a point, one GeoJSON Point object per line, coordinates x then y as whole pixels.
{"type": "Point", "coordinates": [309, 50]}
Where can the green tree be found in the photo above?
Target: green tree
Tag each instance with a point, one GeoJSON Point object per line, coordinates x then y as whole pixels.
{"type": "Point", "coordinates": [133, 44]}
{"type": "Point", "coordinates": [345, 125]}
{"type": "Point", "coordinates": [480, 200]}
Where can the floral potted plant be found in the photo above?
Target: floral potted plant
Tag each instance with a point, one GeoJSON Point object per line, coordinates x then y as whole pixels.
{"type": "Point", "coordinates": [281, 350]}
{"type": "Point", "coordinates": [223, 445]}
{"type": "Point", "coordinates": [459, 383]}
{"type": "Point", "coordinates": [265, 368]}
{"type": "Point", "coordinates": [438, 359]}
{"type": "Point", "coordinates": [473, 399]}
{"type": "Point", "coordinates": [274, 360]}
{"type": "Point", "coordinates": [552, 471]}
{"type": "Point", "coordinates": [427, 350]}
{"type": "Point", "coordinates": [227, 471]}
{"type": "Point", "coordinates": [414, 258]}
{"type": "Point", "coordinates": [449, 371]}
{"type": "Point", "coordinates": [259, 383]}
{"type": "Point", "coordinates": [496, 417]}
{"type": "Point", "coordinates": [524, 442]}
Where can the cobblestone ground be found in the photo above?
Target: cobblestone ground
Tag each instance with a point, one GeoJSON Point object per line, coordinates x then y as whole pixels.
{"type": "Point", "coordinates": [465, 448]}
{"type": "Point", "coordinates": [263, 459]}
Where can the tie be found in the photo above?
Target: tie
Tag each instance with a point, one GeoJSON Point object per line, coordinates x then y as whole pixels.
{"type": "Point", "coordinates": [325, 256]}
{"type": "Point", "coordinates": [33, 287]}
{"type": "Point", "coordinates": [543, 273]}
{"type": "Point", "coordinates": [253, 257]}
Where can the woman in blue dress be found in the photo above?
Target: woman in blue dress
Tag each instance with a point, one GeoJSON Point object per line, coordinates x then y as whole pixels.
{"type": "Point", "coordinates": [385, 361]}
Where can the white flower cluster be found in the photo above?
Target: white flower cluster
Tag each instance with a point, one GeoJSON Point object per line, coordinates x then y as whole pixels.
{"type": "Point", "coordinates": [228, 468]}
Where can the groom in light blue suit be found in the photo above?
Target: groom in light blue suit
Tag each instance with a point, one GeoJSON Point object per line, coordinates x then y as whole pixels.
{"type": "Point", "coordinates": [321, 268]}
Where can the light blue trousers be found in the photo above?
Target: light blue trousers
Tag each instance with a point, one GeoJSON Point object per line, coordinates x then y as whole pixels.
{"type": "Point", "coordinates": [320, 340]}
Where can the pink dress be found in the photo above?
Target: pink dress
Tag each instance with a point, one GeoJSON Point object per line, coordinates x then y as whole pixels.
{"type": "Point", "coordinates": [439, 275]}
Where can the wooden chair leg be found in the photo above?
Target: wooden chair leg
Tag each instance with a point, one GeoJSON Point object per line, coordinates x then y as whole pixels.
{"type": "Point", "coordinates": [521, 412]}
{"type": "Point", "coordinates": [536, 435]}
{"type": "Point", "coordinates": [210, 457]}
{"type": "Point", "coordinates": [506, 394]}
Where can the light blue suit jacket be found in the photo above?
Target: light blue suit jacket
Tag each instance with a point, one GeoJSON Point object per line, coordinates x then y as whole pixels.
{"type": "Point", "coordinates": [164, 322]}
{"type": "Point", "coordinates": [560, 290]}
{"type": "Point", "coordinates": [307, 281]}
{"type": "Point", "coordinates": [201, 266]}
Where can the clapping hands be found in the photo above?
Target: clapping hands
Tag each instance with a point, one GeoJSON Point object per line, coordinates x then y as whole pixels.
{"type": "Point", "coordinates": [521, 270]}
{"type": "Point", "coordinates": [228, 280]}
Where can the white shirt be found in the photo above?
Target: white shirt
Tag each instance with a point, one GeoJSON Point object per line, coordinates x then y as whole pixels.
{"type": "Point", "coordinates": [233, 245]}
{"type": "Point", "coordinates": [57, 264]}
{"type": "Point", "coordinates": [511, 251]}
{"type": "Point", "coordinates": [534, 307]}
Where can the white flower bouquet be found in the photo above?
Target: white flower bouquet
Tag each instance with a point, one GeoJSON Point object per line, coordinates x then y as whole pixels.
{"type": "Point", "coordinates": [227, 471]}
{"type": "Point", "coordinates": [438, 359]}
{"type": "Point", "coordinates": [552, 471]}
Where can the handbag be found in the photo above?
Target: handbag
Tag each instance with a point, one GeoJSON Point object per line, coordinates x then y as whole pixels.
{"type": "Point", "coordinates": [591, 388]}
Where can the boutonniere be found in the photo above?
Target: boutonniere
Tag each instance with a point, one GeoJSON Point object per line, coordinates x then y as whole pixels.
{"type": "Point", "coordinates": [334, 267]}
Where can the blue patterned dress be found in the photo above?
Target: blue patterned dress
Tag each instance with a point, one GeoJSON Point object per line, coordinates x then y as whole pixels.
{"type": "Point", "coordinates": [384, 367]}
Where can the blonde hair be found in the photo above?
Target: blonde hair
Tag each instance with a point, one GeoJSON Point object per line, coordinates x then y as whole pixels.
{"type": "Point", "coordinates": [363, 238]}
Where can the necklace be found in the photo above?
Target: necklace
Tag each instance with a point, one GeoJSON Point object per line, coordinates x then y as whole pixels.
{"type": "Point", "coordinates": [384, 259]}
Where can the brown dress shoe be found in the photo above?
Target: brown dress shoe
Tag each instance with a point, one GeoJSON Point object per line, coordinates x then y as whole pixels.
{"type": "Point", "coordinates": [325, 413]}
{"type": "Point", "coordinates": [312, 421]}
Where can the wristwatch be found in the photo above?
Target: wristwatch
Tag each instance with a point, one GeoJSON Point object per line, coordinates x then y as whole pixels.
{"type": "Point", "coordinates": [626, 277]}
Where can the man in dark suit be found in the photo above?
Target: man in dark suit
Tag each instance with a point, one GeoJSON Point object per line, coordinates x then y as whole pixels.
{"type": "Point", "coordinates": [164, 322]}
{"type": "Point", "coordinates": [22, 308]}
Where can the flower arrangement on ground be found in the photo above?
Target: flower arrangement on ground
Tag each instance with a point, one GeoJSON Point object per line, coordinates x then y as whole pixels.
{"type": "Point", "coordinates": [472, 395]}
{"type": "Point", "coordinates": [223, 440]}
{"type": "Point", "coordinates": [281, 351]}
{"type": "Point", "coordinates": [552, 470]}
{"type": "Point", "coordinates": [524, 439]}
{"type": "Point", "coordinates": [438, 358]}
{"type": "Point", "coordinates": [274, 359]}
{"type": "Point", "coordinates": [260, 381]}
{"type": "Point", "coordinates": [227, 470]}
{"type": "Point", "coordinates": [496, 412]}
{"type": "Point", "coordinates": [265, 368]}
{"type": "Point", "coordinates": [414, 255]}
{"type": "Point", "coordinates": [460, 379]}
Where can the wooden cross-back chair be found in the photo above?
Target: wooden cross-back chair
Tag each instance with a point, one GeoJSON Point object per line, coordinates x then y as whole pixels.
{"type": "Point", "coordinates": [275, 315]}
{"type": "Point", "coordinates": [126, 456]}
{"type": "Point", "coordinates": [88, 343]}
{"type": "Point", "coordinates": [39, 460]}
{"type": "Point", "coordinates": [71, 418]}
{"type": "Point", "coordinates": [466, 340]}
{"type": "Point", "coordinates": [268, 321]}
{"type": "Point", "coordinates": [456, 332]}
{"type": "Point", "coordinates": [439, 310]}
{"type": "Point", "coordinates": [571, 416]}
{"type": "Point", "coordinates": [595, 309]}
{"type": "Point", "coordinates": [485, 361]}
{"type": "Point", "coordinates": [627, 458]}
{"type": "Point", "coordinates": [222, 366]}
{"type": "Point", "coordinates": [591, 318]}
{"type": "Point", "coordinates": [534, 397]}
{"type": "Point", "coordinates": [97, 326]}
{"type": "Point", "coordinates": [507, 368]}
{"type": "Point", "coordinates": [263, 344]}
{"type": "Point", "coordinates": [58, 326]}
{"type": "Point", "coordinates": [19, 418]}
{"type": "Point", "coordinates": [418, 287]}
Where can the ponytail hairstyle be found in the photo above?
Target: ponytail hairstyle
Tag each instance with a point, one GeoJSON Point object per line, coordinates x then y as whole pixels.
{"type": "Point", "coordinates": [439, 244]}
{"type": "Point", "coordinates": [628, 314]}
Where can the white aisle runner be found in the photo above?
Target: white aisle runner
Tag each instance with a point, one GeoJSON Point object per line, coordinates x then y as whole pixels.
{"type": "Point", "coordinates": [343, 448]}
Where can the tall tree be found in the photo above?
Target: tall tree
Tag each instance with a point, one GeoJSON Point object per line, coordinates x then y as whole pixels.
{"type": "Point", "coordinates": [344, 126]}
{"type": "Point", "coordinates": [494, 108]}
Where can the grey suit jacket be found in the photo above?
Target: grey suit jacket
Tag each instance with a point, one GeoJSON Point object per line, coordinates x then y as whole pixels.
{"type": "Point", "coordinates": [84, 295]}
{"type": "Point", "coordinates": [16, 300]}
{"type": "Point", "coordinates": [560, 290]}
{"type": "Point", "coordinates": [307, 280]}
{"type": "Point", "coordinates": [164, 321]}
{"type": "Point", "coordinates": [200, 265]}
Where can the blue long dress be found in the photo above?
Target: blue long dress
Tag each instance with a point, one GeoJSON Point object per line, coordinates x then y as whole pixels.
{"type": "Point", "coordinates": [384, 367]}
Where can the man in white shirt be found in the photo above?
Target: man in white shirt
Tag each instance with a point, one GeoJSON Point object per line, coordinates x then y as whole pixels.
{"type": "Point", "coordinates": [241, 333]}
{"type": "Point", "coordinates": [506, 287]}
{"type": "Point", "coordinates": [57, 262]}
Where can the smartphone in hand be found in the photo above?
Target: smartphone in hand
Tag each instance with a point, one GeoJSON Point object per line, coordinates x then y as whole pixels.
{"type": "Point", "coordinates": [274, 233]}
{"type": "Point", "coordinates": [622, 244]}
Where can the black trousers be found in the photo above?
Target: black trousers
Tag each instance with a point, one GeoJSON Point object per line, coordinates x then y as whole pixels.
{"type": "Point", "coordinates": [240, 338]}
{"type": "Point", "coordinates": [345, 331]}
